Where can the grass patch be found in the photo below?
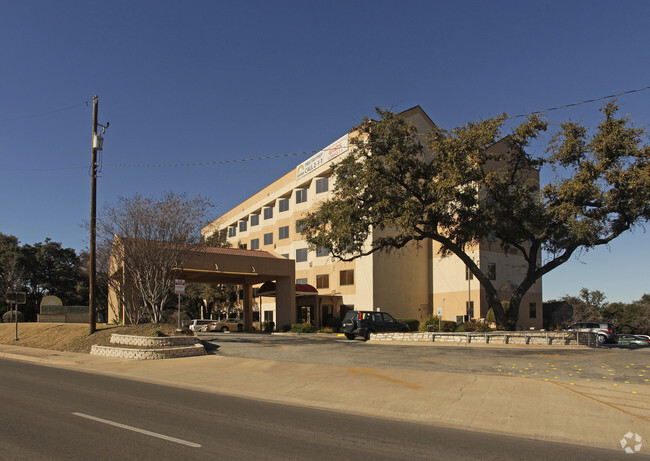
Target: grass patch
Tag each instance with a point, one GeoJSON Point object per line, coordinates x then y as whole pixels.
{"type": "Point", "coordinates": [75, 337]}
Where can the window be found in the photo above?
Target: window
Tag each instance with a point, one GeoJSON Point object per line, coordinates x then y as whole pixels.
{"type": "Point", "coordinates": [387, 317]}
{"type": "Point", "coordinates": [283, 204]}
{"type": "Point", "coordinates": [301, 281]}
{"type": "Point", "coordinates": [321, 185]}
{"type": "Point", "coordinates": [268, 238]}
{"type": "Point", "coordinates": [299, 226]}
{"type": "Point", "coordinates": [255, 220]}
{"type": "Point", "coordinates": [470, 309]}
{"type": "Point", "coordinates": [322, 251]}
{"type": "Point", "coordinates": [242, 226]}
{"type": "Point", "coordinates": [347, 277]}
{"type": "Point", "coordinates": [285, 256]}
{"type": "Point", "coordinates": [301, 255]}
{"type": "Point", "coordinates": [323, 281]}
{"type": "Point", "coordinates": [468, 274]}
{"type": "Point", "coordinates": [532, 310]}
{"type": "Point", "coordinates": [301, 195]}
{"type": "Point", "coordinates": [232, 231]}
{"type": "Point", "coordinates": [492, 271]}
{"type": "Point", "coordinates": [242, 246]}
{"type": "Point", "coordinates": [268, 213]}
{"type": "Point", "coordinates": [283, 233]}
{"type": "Point", "coordinates": [255, 244]}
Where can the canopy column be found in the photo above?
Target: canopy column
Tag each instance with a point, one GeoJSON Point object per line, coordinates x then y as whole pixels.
{"type": "Point", "coordinates": [248, 307]}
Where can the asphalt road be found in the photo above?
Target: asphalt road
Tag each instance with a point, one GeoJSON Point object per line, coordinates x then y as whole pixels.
{"type": "Point", "coordinates": [613, 364]}
{"type": "Point", "coordinates": [50, 413]}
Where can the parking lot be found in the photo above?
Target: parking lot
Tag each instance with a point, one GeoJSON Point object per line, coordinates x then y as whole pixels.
{"type": "Point", "coordinates": [613, 365]}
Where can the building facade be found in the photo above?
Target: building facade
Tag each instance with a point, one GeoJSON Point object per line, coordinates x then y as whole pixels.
{"type": "Point", "coordinates": [414, 282]}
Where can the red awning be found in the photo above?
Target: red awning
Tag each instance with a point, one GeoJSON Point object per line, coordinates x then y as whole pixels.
{"type": "Point", "coordinates": [302, 289]}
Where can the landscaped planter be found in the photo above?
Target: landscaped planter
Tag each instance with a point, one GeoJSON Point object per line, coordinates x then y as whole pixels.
{"type": "Point", "coordinates": [148, 354]}
{"type": "Point", "coordinates": [150, 348]}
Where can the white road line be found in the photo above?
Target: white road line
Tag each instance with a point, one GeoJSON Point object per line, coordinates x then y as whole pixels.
{"type": "Point", "coordinates": [141, 431]}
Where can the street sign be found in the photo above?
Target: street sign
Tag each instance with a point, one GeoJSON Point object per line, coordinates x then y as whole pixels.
{"type": "Point", "coordinates": [439, 311]}
{"type": "Point", "coordinates": [16, 297]}
{"type": "Point", "coordinates": [179, 286]}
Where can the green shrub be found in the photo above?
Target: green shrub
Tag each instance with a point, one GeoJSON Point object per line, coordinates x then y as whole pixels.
{"type": "Point", "coordinates": [268, 326]}
{"type": "Point", "coordinates": [413, 324]}
{"type": "Point", "coordinates": [302, 328]}
{"type": "Point", "coordinates": [490, 317]}
{"type": "Point", "coordinates": [285, 328]}
{"type": "Point", "coordinates": [473, 326]}
{"type": "Point", "coordinates": [444, 325]}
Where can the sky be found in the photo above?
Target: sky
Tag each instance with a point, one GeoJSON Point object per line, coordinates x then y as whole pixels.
{"type": "Point", "coordinates": [215, 81]}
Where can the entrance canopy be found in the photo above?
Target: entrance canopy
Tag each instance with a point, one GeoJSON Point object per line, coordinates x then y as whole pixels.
{"type": "Point", "coordinates": [302, 289]}
{"type": "Point", "coordinates": [206, 264]}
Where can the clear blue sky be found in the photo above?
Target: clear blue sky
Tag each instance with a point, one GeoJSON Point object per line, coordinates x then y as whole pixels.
{"type": "Point", "coordinates": [205, 81]}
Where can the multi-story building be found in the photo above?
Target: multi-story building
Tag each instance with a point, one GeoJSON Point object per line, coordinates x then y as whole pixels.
{"type": "Point", "coordinates": [412, 283]}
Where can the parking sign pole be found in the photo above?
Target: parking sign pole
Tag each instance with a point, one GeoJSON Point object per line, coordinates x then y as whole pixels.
{"type": "Point", "coordinates": [179, 289]}
{"type": "Point", "coordinates": [179, 313]}
{"type": "Point", "coordinates": [16, 317]}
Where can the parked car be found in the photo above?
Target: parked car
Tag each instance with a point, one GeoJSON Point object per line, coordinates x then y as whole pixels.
{"type": "Point", "coordinates": [227, 325]}
{"type": "Point", "coordinates": [199, 325]}
{"type": "Point", "coordinates": [605, 331]}
{"type": "Point", "coordinates": [632, 340]}
{"type": "Point", "coordinates": [363, 323]}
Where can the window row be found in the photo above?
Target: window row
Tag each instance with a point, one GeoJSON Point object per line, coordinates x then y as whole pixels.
{"type": "Point", "coordinates": [346, 277]}
{"type": "Point", "coordinates": [322, 185]}
{"type": "Point", "coordinates": [491, 273]}
{"type": "Point", "coordinates": [301, 253]}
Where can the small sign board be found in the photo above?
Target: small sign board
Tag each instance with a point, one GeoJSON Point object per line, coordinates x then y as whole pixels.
{"type": "Point", "coordinates": [179, 286]}
{"type": "Point", "coordinates": [439, 311]}
{"type": "Point", "coordinates": [16, 297]}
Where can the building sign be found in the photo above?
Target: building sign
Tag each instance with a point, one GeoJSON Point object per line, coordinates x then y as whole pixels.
{"type": "Point", "coordinates": [325, 156]}
{"type": "Point", "coordinates": [53, 309]}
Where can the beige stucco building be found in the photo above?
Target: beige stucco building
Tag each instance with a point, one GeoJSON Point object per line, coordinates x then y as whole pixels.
{"type": "Point", "coordinates": [412, 283]}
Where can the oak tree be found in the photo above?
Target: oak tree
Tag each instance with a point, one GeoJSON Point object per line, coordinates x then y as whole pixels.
{"type": "Point", "coordinates": [459, 188]}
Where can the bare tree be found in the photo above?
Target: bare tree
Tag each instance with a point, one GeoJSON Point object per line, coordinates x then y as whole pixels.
{"type": "Point", "coordinates": [11, 271]}
{"type": "Point", "coordinates": [150, 239]}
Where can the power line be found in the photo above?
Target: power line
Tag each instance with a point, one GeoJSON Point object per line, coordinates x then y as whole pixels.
{"type": "Point", "coordinates": [586, 101]}
{"type": "Point", "coordinates": [63, 109]}
{"type": "Point", "coordinates": [270, 157]}
{"type": "Point", "coordinates": [216, 162]}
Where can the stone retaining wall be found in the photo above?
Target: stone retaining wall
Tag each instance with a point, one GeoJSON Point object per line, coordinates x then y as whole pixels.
{"type": "Point", "coordinates": [148, 354]}
{"type": "Point", "coordinates": [153, 341]}
{"type": "Point", "coordinates": [550, 338]}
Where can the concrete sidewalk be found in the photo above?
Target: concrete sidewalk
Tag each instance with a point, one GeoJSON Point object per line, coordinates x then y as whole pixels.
{"type": "Point", "coordinates": [578, 413]}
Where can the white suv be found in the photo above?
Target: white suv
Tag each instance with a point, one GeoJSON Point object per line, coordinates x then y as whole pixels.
{"type": "Point", "coordinates": [605, 331]}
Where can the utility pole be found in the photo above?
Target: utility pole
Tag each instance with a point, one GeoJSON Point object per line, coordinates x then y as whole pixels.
{"type": "Point", "coordinates": [92, 318]}
{"type": "Point", "coordinates": [97, 144]}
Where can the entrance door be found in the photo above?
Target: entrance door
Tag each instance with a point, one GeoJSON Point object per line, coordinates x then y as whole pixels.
{"type": "Point", "coordinates": [305, 314]}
